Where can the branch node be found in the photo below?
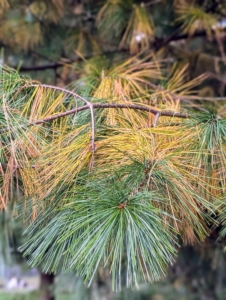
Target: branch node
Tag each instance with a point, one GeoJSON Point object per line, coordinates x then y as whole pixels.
{"type": "Point", "coordinates": [156, 119]}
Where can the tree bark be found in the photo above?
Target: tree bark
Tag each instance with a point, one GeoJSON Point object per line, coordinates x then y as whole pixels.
{"type": "Point", "coordinates": [46, 286]}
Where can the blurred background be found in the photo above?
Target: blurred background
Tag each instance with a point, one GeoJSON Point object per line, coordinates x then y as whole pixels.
{"type": "Point", "coordinates": [70, 43]}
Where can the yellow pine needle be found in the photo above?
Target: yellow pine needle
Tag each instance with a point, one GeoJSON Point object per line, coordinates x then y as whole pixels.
{"type": "Point", "coordinates": [139, 30]}
{"type": "Point", "coordinates": [68, 156]}
{"type": "Point", "coordinates": [195, 19]}
{"type": "Point", "coordinates": [28, 35]}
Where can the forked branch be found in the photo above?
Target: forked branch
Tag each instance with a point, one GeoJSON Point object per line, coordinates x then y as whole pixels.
{"type": "Point", "coordinates": [93, 106]}
{"type": "Point", "coordinates": [88, 105]}
{"type": "Point", "coordinates": [113, 105]}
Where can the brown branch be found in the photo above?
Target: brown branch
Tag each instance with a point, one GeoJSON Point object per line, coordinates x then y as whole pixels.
{"type": "Point", "coordinates": [41, 68]}
{"type": "Point", "coordinates": [152, 2]}
{"type": "Point", "coordinates": [89, 105]}
{"type": "Point", "coordinates": [202, 98]}
{"type": "Point", "coordinates": [190, 98]}
{"type": "Point", "coordinates": [162, 42]}
{"type": "Point", "coordinates": [58, 64]}
{"type": "Point", "coordinates": [112, 105]}
{"type": "Point", "coordinates": [157, 45]}
{"type": "Point", "coordinates": [93, 106]}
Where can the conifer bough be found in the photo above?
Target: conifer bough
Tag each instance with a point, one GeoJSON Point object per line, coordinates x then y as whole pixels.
{"type": "Point", "coordinates": [105, 105]}
{"type": "Point", "coordinates": [127, 205]}
{"type": "Point", "coordinates": [128, 162]}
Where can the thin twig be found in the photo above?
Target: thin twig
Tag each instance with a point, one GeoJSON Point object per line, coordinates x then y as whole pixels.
{"type": "Point", "coordinates": [202, 98]}
{"type": "Point", "coordinates": [60, 89]}
{"type": "Point", "coordinates": [112, 105]}
{"type": "Point", "coordinates": [156, 119]}
{"type": "Point", "coordinates": [152, 2]}
{"type": "Point", "coordinates": [89, 104]}
{"type": "Point", "coordinates": [158, 44]}
{"type": "Point", "coordinates": [42, 67]}
{"type": "Point", "coordinates": [187, 97]}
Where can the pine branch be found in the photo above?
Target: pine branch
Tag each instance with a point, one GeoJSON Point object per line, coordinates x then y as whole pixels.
{"type": "Point", "coordinates": [158, 44]}
{"type": "Point", "coordinates": [43, 67]}
{"type": "Point", "coordinates": [89, 106]}
{"type": "Point", "coordinates": [58, 64]}
{"type": "Point", "coordinates": [152, 2]}
{"type": "Point", "coordinates": [113, 105]}
{"type": "Point", "coordinates": [93, 106]}
{"type": "Point", "coordinates": [189, 98]}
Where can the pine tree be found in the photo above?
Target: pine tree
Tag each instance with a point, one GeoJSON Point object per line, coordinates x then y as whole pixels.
{"type": "Point", "coordinates": [127, 162]}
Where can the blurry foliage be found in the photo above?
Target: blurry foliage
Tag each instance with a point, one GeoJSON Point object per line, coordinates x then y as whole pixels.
{"type": "Point", "coordinates": [194, 18]}
{"type": "Point", "coordinates": [129, 161]}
